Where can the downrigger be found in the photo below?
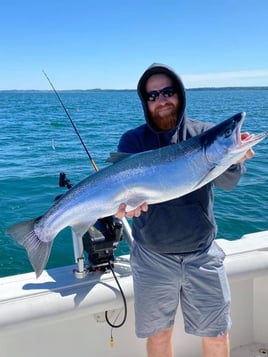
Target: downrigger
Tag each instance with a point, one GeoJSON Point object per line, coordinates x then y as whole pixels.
{"type": "Point", "coordinates": [100, 241]}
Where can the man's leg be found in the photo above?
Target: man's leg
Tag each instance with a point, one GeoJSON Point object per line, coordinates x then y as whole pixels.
{"type": "Point", "coordinates": [160, 344]}
{"type": "Point", "coordinates": [216, 346]}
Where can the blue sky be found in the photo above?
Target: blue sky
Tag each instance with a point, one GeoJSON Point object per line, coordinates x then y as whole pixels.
{"type": "Point", "coordinates": [107, 44]}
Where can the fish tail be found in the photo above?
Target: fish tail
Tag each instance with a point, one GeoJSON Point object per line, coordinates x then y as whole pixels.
{"type": "Point", "coordinates": [37, 250]}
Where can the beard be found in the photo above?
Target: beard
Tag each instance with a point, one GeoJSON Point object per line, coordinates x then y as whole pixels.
{"type": "Point", "coordinates": [165, 117]}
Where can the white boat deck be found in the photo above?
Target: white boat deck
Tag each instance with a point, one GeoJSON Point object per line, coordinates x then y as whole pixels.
{"type": "Point", "coordinates": [252, 350]}
{"type": "Point", "coordinates": [58, 315]}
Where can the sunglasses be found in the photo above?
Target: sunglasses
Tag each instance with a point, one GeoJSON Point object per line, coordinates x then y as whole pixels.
{"type": "Point", "coordinates": [166, 92]}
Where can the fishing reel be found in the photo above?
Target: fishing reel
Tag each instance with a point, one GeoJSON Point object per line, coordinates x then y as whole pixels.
{"type": "Point", "coordinates": [64, 181]}
{"type": "Point", "coordinates": [102, 238]}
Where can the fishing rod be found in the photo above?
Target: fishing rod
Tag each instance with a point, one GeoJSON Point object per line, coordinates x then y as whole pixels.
{"type": "Point", "coordinates": [79, 249]}
{"type": "Point", "coordinates": [73, 124]}
{"type": "Point", "coordinates": [126, 226]}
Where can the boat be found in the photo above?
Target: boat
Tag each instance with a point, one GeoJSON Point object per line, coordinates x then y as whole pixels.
{"type": "Point", "coordinates": [71, 311]}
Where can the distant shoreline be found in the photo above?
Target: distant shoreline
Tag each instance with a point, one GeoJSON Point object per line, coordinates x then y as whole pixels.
{"type": "Point", "coordinates": [132, 90]}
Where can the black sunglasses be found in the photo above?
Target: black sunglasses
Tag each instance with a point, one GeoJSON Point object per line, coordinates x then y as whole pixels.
{"type": "Point", "coordinates": [166, 92]}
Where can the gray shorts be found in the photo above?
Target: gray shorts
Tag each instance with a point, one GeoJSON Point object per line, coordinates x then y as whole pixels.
{"type": "Point", "coordinates": [197, 280]}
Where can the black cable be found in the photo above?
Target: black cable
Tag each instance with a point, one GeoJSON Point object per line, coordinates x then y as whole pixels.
{"type": "Point", "coordinates": [124, 301]}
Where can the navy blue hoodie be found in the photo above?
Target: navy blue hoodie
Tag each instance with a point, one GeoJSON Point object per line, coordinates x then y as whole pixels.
{"type": "Point", "coordinates": [185, 224]}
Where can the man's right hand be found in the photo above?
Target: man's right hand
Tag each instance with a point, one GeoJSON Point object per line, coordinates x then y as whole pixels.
{"type": "Point", "coordinates": [130, 214]}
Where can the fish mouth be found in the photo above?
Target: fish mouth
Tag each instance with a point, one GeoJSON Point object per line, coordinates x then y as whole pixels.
{"type": "Point", "coordinates": [252, 139]}
{"type": "Point", "coordinates": [246, 141]}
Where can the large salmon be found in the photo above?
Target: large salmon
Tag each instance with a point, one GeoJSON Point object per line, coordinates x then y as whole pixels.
{"type": "Point", "coordinates": [152, 176]}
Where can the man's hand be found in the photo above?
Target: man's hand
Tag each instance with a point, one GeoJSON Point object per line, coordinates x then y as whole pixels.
{"type": "Point", "coordinates": [249, 154]}
{"type": "Point", "coordinates": [134, 213]}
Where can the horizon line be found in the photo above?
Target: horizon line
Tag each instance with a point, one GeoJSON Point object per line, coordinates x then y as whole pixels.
{"type": "Point", "coordinates": [133, 89]}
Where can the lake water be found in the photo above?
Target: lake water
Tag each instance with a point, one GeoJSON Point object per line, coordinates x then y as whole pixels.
{"type": "Point", "coordinates": [37, 142]}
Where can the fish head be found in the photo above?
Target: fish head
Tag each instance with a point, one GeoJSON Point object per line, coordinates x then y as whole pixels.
{"type": "Point", "coordinates": [223, 143]}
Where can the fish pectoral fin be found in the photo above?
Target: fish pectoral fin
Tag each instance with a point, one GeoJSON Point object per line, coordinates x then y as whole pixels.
{"type": "Point", "coordinates": [209, 177]}
{"type": "Point", "coordinates": [37, 250]}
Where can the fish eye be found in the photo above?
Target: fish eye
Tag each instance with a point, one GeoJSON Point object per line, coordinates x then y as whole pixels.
{"type": "Point", "coordinates": [228, 132]}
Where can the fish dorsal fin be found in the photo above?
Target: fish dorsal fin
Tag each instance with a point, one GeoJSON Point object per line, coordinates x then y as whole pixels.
{"type": "Point", "coordinates": [117, 156]}
{"type": "Point", "coordinates": [135, 202]}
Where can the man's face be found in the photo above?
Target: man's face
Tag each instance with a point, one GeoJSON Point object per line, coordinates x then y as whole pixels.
{"type": "Point", "coordinates": [164, 109]}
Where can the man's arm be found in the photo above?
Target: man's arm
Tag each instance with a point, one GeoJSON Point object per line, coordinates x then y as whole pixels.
{"type": "Point", "coordinates": [230, 177]}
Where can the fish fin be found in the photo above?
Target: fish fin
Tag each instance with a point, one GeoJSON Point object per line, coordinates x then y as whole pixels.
{"type": "Point", "coordinates": [206, 179]}
{"type": "Point", "coordinates": [117, 156]}
{"type": "Point", "coordinates": [37, 250]}
{"type": "Point", "coordinates": [134, 202]}
{"type": "Point", "coordinates": [81, 229]}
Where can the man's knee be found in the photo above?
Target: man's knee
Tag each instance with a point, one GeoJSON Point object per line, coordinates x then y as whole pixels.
{"type": "Point", "coordinates": [162, 336]}
{"type": "Point", "coordinates": [160, 344]}
{"type": "Point", "coordinates": [216, 346]}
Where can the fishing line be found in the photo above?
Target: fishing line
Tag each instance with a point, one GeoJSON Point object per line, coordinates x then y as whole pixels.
{"type": "Point", "coordinates": [96, 169]}
{"type": "Point", "coordinates": [73, 125]}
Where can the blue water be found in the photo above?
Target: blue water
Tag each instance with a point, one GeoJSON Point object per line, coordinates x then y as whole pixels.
{"type": "Point", "coordinates": [37, 142]}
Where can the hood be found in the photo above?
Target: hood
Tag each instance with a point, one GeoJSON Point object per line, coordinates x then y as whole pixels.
{"type": "Point", "coordinates": [157, 68]}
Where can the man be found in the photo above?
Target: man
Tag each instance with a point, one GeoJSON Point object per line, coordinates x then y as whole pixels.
{"type": "Point", "coordinates": [174, 257]}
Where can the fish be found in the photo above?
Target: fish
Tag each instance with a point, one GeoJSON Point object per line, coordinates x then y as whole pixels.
{"type": "Point", "coordinates": [152, 176]}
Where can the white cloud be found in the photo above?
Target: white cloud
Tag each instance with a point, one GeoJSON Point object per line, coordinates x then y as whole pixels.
{"type": "Point", "coordinates": [227, 79]}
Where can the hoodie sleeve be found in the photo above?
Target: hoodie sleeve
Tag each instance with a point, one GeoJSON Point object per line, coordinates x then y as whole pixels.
{"type": "Point", "coordinates": [229, 179]}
